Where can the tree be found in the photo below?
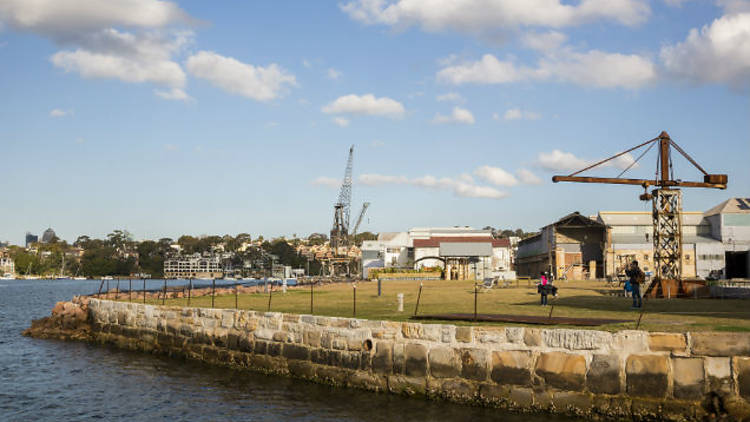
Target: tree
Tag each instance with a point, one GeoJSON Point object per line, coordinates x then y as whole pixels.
{"type": "Point", "coordinates": [82, 241]}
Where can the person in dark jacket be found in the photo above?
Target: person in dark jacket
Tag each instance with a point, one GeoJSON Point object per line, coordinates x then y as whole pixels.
{"type": "Point", "coordinates": [542, 288]}
{"type": "Point", "coordinates": [637, 276]}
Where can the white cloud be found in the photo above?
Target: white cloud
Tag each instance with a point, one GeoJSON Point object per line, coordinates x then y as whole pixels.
{"type": "Point", "coordinates": [341, 122]}
{"type": "Point", "coordinates": [544, 41]}
{"type": "Point", "coordinates": [333, 73]}
{"type": "Point", "coordinates": [481, 16]}
{"type": "Point", "coordinates": [462, 186]}
{"type": "Point", "coordinates": [518, 114]}
{"type": "Point", "coordinates": [565, 161]}
{"type": "Point", "coordinates": [495, 176]}
{"type": "Point", "coordinates": [173, 94]}
{"type": "Point", "coordinates": [717, 53]}
{"type": "Point", "coordinates": [93, 45]}
{"type": "Point", "coordinates": [451, 97]}
{"type": "Point", "coordinates": [59, 113]}
{"type": "Point", "coordinates": [365, 104]}
{"type": "Point", "coordinates": [593, 68]}
{"type": "Point", "coordinates": [527, 177]}
{"type": "Point", "coordinates": [458, 116]}
{"type": "Point", "coordinates": [235, 77]}
{"type": "Point", "coordinates": [329, 182]}
{"type": "Point", "coordinates": [734, 6]}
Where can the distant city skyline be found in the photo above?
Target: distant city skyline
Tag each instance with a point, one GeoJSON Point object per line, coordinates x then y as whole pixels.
{"type": "Point", "coordinates": [183, 117]}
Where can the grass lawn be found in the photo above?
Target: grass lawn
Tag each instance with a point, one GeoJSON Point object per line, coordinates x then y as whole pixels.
{"type": "Point", "coordinates": [592, 299]}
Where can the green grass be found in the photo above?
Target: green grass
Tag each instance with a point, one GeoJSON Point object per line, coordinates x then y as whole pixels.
{"type": "Point", "coordinates": [591, 299]}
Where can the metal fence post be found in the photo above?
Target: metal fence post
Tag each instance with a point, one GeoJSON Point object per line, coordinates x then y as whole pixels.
{"type": "Point", "coordinates": [419, 296]}
{"type": "Point", "coordinates": [476, 292]}
{"type": "Point", "coordinates": [190, 290]}
{"type": "Point", "coordinates": [117, 293]}
{"type": "Point", "coordinates": [312, 283]}
{"type": "Point", "coordinates": [144, 290]}
{"type": "Point", "coordinates": [130, 290]}
{"type": "Point", "coordinates": [164, 297]}
{"type": "Point", "coordinates": [354, 307]}
{"type": "Point", "coordinates": [213, 291]}
{"type": "Point", "coordinates": [270, 293]}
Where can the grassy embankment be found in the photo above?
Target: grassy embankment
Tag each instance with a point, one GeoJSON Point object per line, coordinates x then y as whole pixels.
{"type": "Point", "coordinates": [591, 299]}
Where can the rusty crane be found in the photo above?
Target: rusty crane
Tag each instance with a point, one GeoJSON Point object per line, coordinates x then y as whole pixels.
{"type": "Point", "coordinates": [666, 201]}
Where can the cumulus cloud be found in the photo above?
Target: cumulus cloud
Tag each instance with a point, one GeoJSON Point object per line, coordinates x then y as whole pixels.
{"type": "Point", "coordinates": [717, 53]}
{"type": "Point", "coordinates": [329, 182]}
{"type": "Point", "coordinates": [495, 176]}
{"type": "Point", "coordinates": [557, 160]}
{"type": "Point", "coordinates": [366, 104]}
{"type": "Point", "coordinates": [458, 116]}
{"type": "Point", "coordinates": [544, 41]}
{"type": "Point", "coordinates": [59, 113]}
{"type": "Point", "coordinates": [94, 46]}
{"type": "Point", "coordinates": [333, 73]}
{"type": "Point", "coordinates": [518, 114]}
{"type": "Point", "coordinates": [453, 97]}
{"type": "Point", "coordinates": [235, 77]}
{"type": "Point", "coordinates": [341, 122]}
{"type": "Point", "coordinates": [527, 177]}
{"type": "Point", "coordinates": [462, 186]}
{"type": "Point", "coordinates": [593, 68]}
{"type": "Point", "coordinates": [482, 16]}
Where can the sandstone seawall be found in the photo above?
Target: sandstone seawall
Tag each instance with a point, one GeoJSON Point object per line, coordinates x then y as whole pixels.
{"type": "Point", "coordinates": [632, 375]}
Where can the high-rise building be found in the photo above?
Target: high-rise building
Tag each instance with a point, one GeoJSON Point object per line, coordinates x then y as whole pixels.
{"type": "Point", "coordinates": [31, 238]}
{"type": "Point", "coordinates": [48, 235]}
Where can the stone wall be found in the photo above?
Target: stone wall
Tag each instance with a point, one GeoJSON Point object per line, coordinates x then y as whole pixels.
{"type": "Point", "coordinates": [631, 374]}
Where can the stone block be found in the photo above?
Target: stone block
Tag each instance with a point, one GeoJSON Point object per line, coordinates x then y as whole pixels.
{"type": "Point", "coordinates": [382, 360]}
{"type": "Point", "coordinates": [312, 338]}
{"type": "Point", "coordinates": [416, 360]}
{"type": "Point", "coordinates": [458, 390]}
{"type": "Point", "coordinates": [399, 358]}
{"type": "Point", "coordinates": [532, 337]}
{"type": "Point", "coordinates": [576, 339]}
{"type": "Point", "coordinates": [464, 334]}
{"type": "Point", "coordinates": [720, 344]}
{"type": "Point", "coordinates": [448, 333]}
{"type": "Point", "coordinates": [301, 369]}
{"type": "Point", "coordinates": [580, 403]}
{"type": "Point", "coordinates": [718, 374]}
{"type": "Point", "coordinates": [410, 386]}
{"type": "Point", "coordinates": [603, 376]}
{"type": "Point", "coordinates": [296, 351]}
{"type": "Point", "coordinates": [742, 374]}
{"type": "Point", "coordinates": [367, 381]}
{"type": "Point", "coordinates": [431, 332]}
{"type": "Point", "coordinates": [494, 394]}
{"type": "Point", "coordinates": [667, 342]}
{"type": "Point", "coordinates": [688, 376]}
{"type": "Point", "coordinates": [646, 375]}
{"type": "Point", "coordinates": [444, 363]}
{"type": "Point", "coordinates": [490, 336]}
{"type": "Point", "coordinates": [474, 364]}
{"type": "Point", "coordinates": [351, 360]}
{"type": "Point", "coordinates": [566, 371]}
{"type": "Point", "coordinates": [522, 397]}
{"type": "Point", "coordinates": [514, 334]}
{"type": "Point", "coordinates": [511, 367]}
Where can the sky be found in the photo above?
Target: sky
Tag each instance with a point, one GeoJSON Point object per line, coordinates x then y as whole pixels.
{"type": "Point", "coordinates": [191, 117]}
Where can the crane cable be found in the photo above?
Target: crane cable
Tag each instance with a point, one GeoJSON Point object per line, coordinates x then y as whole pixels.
{"type": "Point", "coordinates": [636, 160]}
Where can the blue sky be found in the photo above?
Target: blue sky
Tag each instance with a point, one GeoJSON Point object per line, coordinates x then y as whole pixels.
{"type": "Point", "coordinates": [166, 118]}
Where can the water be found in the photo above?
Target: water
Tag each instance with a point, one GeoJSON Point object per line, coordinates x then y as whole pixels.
{"type": "Point", "coordinates": [49, 380]}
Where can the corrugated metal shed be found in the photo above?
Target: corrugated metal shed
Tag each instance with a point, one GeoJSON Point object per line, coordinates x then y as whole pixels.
{"type": "Point", "coordinates": [465, 249]}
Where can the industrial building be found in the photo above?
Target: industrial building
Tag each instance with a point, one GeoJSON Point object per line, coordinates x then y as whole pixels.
{"type": "Point", "coordinates": [461, 252]}
{"type": "Point", "coordinates": [715, 243]}
{"type": "Point", "coordinates": [193, 266]}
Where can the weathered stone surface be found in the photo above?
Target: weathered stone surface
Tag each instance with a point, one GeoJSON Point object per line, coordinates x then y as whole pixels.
{"type": "Point", "coordinates": [444, 363]}
{"type": "Point", "coordinates": [718, 374]}
{"type": "Point", "coordinates": [576, 339]}
{"type": "Point", "coordinates": [532, 337]}
{"type": "Point", "coordinates": [311, 337]}
{"type": "Point", "coordinates": [688, 375]}
{"type": "Point", "coordinates": [514, 334]}
{"type": "Point", "coordinates": [296, 351]}
{"type": "Point", "coordinates": [494, 394]}
{"type": "Point", "coordinates": [416, 360]}
{"type": "Point", "coordinates": [603, 376]}
{"type": "Point", "coordinates": [458, 390]}
{"type": "Point", "coordinates": [720, 344]}
{"type": "Point", "coordinates": [646, 375]}
{"type": "Point", "coordinates": [667, 342]}
{"type": "Point", "coordinates": [400, 384]}
{"type": "Point", "coordinates": [742, 372]}
{"type": "Point", "coordinates": [464, 334]}
{"type": "Point", "coordinates": [572, 401]}
{"type": "Point", "coordinates": [566, 371]}
{"type": "Point", "coordinates": [512, 367]}
{"type": "Point", "coordinates": [382, 360]}
{"type": "Point", "coordinates": [489, 336]}
{"type": "Point", "coordinates": [431, 332]}
{"type": "Point", "coordinates": [474, 364]}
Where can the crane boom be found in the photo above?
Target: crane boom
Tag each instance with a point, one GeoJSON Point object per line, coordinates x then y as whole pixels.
{"type": "Point", "coordinates": [359, 219]}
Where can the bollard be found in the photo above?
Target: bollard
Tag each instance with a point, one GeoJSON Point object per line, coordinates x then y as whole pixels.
{"type": "Point", "coordinates": [99, 294]}
{"type": "Point", "coordinates": [270, 293]}
{"type": "Point", "coordinates": [419, 296]}
{"type": "Point", "coordinates": [311, 297]}
{"type": "Point", "coordinates": [164, 297]}
{"type": "Point", "coordinates": [213, 290]}
{"type": "Point", "coordinates": [380, 288]}
{"type": "Point", "coordinates": [283, 286]}
{"type": "Point", "coordinates": [130, 290]}
{"type": "Point", "coordinates": [400, 297]}
{"type": "Point", "coordinates": [669, 292]}
{"type": "Point", "coordinates": [144, 290]}
{"type": "Point", "coordinates": [190, 290]}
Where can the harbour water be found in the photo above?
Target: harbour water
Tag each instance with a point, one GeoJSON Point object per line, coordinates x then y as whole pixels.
{"type": "Point", "coordinates": [46, 380]}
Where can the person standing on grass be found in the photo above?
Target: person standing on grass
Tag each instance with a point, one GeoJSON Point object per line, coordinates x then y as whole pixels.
{"type": "Point", "coordinates": [637, 276]}
{"type": "Point", "coordinates": [543, 287]}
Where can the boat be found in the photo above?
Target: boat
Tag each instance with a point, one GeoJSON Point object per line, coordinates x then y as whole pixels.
{"type": "Point", "coordinates": [7, 276]}
{"type": "Point", "coordinates": [79, 278]}
{"type": "Point", "coordinates": [62, 275]}
{"type": "Point", "coordinates": [107, 277]}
